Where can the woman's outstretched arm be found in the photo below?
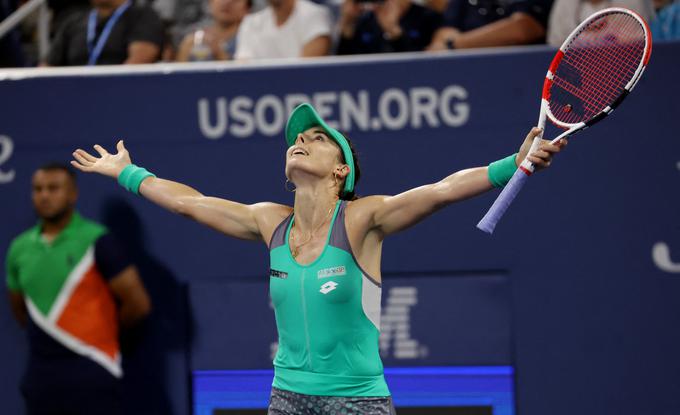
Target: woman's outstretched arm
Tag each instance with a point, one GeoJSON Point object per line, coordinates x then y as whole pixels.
{"type": "Point", "coordinates": [253, 222]}
{"type": "Point", "coordinates": [390, 214]}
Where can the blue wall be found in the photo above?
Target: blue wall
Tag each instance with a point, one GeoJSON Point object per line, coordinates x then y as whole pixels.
{"type": "Point", "coordinates": [595, 317]}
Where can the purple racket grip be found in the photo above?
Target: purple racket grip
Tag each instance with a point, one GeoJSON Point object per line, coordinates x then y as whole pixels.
{"type": "Point", "coordinates": [503, 201]}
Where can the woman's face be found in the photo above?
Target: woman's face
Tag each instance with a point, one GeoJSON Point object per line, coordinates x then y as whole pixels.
{"type": "Point", "coordinates": [315, 153]}
{"type": "Point", "coordinates": [228, 11]}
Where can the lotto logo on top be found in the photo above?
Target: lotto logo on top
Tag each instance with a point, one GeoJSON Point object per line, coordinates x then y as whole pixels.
{"type": "Point", "coordinates": [328, 287]}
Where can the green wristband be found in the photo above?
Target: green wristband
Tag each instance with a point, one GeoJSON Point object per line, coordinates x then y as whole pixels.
{"type": "Point", "coordinates": [501, 171]}
{"type": "Point", "coordinates": [132, 177]}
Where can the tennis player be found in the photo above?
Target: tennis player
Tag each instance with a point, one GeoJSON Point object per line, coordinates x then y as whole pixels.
{"type": "Point", "coordinates": [325, 254]}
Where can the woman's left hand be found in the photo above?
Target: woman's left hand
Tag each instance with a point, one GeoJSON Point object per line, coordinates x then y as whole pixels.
{"type": "Point", "coordinates": [543, 155]}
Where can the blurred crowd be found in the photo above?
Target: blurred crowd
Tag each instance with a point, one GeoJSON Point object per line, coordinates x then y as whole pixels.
{"type": "Point", "coordinates": [110, 32]}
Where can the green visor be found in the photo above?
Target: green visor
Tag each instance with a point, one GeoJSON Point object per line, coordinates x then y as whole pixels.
{"type": "Point", "coordinates": [305, 117]}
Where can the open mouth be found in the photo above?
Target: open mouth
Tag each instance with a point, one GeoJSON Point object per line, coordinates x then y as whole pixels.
{"type": "Point", "coordinates": [299, 152]}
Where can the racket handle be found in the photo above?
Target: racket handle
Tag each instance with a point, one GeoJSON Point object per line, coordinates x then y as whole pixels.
{"type": "Point", "coordinates": [503, 201]}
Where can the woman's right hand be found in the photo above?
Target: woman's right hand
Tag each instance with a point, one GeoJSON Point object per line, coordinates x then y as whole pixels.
{"type": "Point", "coordinates": [107, 164]}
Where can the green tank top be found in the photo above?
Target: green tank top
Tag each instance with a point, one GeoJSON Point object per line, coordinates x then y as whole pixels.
{"type": "Point", "coordinates": [328, 318]}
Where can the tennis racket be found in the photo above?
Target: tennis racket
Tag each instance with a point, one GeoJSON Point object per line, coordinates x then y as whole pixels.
{"type": "Point", "coordinates": [592, 73]}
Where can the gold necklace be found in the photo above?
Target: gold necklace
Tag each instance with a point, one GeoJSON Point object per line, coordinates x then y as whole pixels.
{"type": "Point", "coordinates": [296, 249]}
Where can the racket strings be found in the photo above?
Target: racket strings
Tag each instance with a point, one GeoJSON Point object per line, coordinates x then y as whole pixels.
{"type": "Point", "coordinates": [596, 67]}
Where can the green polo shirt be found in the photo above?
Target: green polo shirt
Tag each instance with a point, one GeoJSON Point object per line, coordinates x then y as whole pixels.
{"type": "Point", "coordinates": [38, 269]}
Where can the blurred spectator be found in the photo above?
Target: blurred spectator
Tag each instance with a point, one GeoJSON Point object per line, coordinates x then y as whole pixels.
{"type": "Point", "coordinates": [71, 285]}
{"type": "Point", "coordinates": [11, 54]}
{"type": "Point", "coordinates": [385, 26]}
{"type": "Point", "coordinates": [660, 4]}
{"type": "Point", "coordinates": [218, 40]}
{"type": "Point", "coordinates": [285, 29]}
{"type": "Point", "coordinates": [485, 23]}
{"type": "Point", "coordinates": [184, 17]}
{"type": "Point", "coordinates": [113, 32]}
{"type": "Point", "coordinates": [179, 18]}
{"type": "Point", "coordinates": [437, 5]}
{"type": "Point", "coordinates": [666, 26]}
{"type": "Point", "coordinates": [62, 9]}
{"type": "Point", "coordinates": [567, 14]}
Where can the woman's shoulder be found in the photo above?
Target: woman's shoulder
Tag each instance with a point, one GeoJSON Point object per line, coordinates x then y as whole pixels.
{"type": "Point", "coordinates": [365, 206]}
{"type": "Point", "coordinates": [270, 214]}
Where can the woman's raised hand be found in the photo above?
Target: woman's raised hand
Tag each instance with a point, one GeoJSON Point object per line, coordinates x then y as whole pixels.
{"type": "Point", "coordinates": [543, 155]}
{"type": "Point", "coordinates": [107, 164]}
